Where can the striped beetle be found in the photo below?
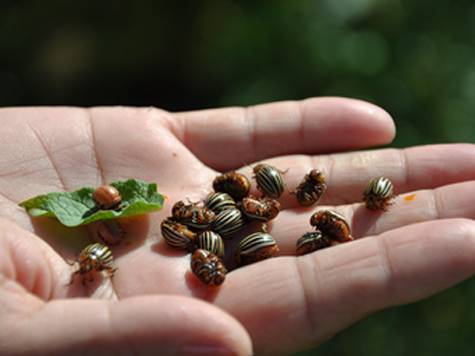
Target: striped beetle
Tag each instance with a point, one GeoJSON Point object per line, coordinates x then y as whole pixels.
{"type": "Point", "coordinates": [208, 267]}
{"type": "Point", "coordinates": [332, 225]}
{"type": "Point", "coordinates": [233, 183]}
{"type": "Point", "coordinates": [177, 235]}
{"type": "Point", "coordinates": [107, 197]}
{"type": "Point", "coordinates": [256, 247]}
{"type": "Point", "coordinates": [228, 222]}
{"type": "Point", "coordinates": [311, 189]}
{"type": "Point", "coordinates": [94, 258]}
{"type": "Point", "coordinates": [264, 209]}
{"type": "Point", "coordinates": [378, 194]}
{"type": "Point", "coordinates": [269, 180]}
{"type": "Point", "coordinates": [311, 241]}
{"type": "Point", "coordinates": [218, 202]}
{"type": "Point", "coordinates": [193, 215]}
{"type": "Point", "coordinates": [212, 242]}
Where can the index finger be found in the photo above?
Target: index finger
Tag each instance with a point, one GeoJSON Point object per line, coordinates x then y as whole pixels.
{"type": "Point", "coordinates": [229, 138]}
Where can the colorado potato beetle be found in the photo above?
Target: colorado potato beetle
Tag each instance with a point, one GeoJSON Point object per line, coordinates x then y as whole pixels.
{"type": "Point", "coordinates": [233, 183]}
{"type": "Point", "coordinates": [177, 235]}
{"type": "Point", "coordinates": [311, 189]}
{"type": "Point", "coordinates": [256, 247]}
{"type": "Point", "coordinates": [193, 215]}
{"type": "Point", "coordinates": [269, 180]}
{"type": "Point", "coordinates": [93, 259]}
{"type": "Point", "coordinates": [218, 202]}
{"type": "Point", "coordinates": [311, 241]}
{"type": "Point", "coordinates": [212, 242]}
{"type": "Point", "coordinates": [208, 267]}
{"type": "Point", "coordinates": [110, 232]}
{"type": "Point", "coordinates": [107, 197]}
{"type": "Point", "coordinates": [332, 225]}
{"type": "Point", "coordinates": [378, 194]}
{"type": "Point", "coordinates": [228, 222]}
{"type": "Point", "coordinates": [263, 209]}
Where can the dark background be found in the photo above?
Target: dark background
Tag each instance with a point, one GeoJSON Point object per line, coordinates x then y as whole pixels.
{"type": "Point", "coordinates": [415, 58]}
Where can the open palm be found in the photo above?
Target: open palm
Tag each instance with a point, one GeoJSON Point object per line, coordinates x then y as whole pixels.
{"type": "Point", "coordinates": [421, 246]}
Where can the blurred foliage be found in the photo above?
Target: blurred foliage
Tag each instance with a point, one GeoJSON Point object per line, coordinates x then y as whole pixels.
{"type": "Point", "coordinates": [414, 58]}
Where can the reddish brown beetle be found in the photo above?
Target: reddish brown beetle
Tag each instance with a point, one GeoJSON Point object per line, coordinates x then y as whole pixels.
{"type": "Point", "coordinates": [94, 258]}
{"type": "Point", "coordinates": [256, 247]}
{"type": "Point", "coordinates": [332, 225]}
{"type": "Point", "coordinates": [208, 267]}
{"type": "Point", "coordinates": [193, 215]}
{"type": "Point", "coordinates": [228, 222]}
{"type": "Point", "coordinates": [269, 180]}
{"type": "Point", "coordinates": [177, 235]}
{"type": "Point", "coordinates": [110, 232]}
{"type": "Point", "coordinates": [311, 189]}
{"type": "Point", "coordinates": [311, 241]}
{"type": "Point", "coordinates": [107, 197]}
{"type": "Point", "coordinates": [217, 202]}
{"type": "Point", "coordinates": [212, 242]}
{"type": "Point", "coordinates": [233, 183]}
{"type": "Point", "coordinates": [263, 209]}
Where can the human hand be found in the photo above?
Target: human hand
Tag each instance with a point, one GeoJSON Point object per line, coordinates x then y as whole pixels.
{"type": "Point", "coordinates": [284, 304]}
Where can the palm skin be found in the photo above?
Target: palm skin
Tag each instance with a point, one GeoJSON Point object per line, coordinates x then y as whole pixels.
{"type": "Point", "coordinates": [284, 304]}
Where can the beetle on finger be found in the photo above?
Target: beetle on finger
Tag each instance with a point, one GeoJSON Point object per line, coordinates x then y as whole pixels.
{"type": "Point", "coordinates": [378, 194]}
{"type": "Point", "coordinates": [269, 180]}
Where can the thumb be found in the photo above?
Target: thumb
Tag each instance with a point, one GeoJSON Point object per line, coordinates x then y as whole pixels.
{"type": "Point", "coordinates": [168, 325]}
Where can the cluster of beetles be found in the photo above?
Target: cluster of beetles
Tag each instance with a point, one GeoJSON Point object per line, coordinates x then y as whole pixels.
{"type": "Point", "coordinates": [200, 227]}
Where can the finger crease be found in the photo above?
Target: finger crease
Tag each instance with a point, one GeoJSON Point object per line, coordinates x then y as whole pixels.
{"type": "Point", "coordinates": [329, 168]}
{"type": "Point", "coordinates": [405, 168]}
{"type": "Point", "coordinates": [4, 196]}
{"type": "Point", "coordinates": [308, 306]}
{"type": "Point", "coordinates": [49, 156]}
{"type": "Point", "coordinates": [94, 144]}
{"type": "Point", "coordinates": [388, 268]}
{"type": "Point", "coordinates": [129, 346]}
{"type": "Point", "coordinates": [250, 119]}
{"type": "Point", "coordinates": [438, 204]}
{"type": "Point", "coordinates": [301, 123]}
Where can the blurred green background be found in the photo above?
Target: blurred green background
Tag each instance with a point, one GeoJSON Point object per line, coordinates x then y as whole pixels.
{"type": "Point", "coordinates": [414, 58]}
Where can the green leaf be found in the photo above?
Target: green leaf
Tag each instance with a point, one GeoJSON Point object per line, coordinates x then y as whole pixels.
{"type": "Point", "coordinates": [78, 208]}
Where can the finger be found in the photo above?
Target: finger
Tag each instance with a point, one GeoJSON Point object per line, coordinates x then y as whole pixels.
{"type": "Point", "coordinates": [165, 325]}
{"type": "Point", "coordinates": [290, 303]}
{"type": "Point", "coordinates": [451, 201]}
{"type": "Point", "coordinates": [30, 262]}
{"type": "Point", "coordinates": [228, 138]}
{"type": "Point", "coordinates": [348, 174]}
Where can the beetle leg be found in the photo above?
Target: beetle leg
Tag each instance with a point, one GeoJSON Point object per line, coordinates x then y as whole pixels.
{"type": "Point", "coordinates": [264, 227]}
{"type": "Point", "coordinates": [110, 271]}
